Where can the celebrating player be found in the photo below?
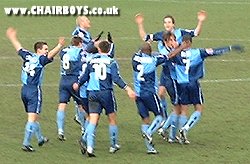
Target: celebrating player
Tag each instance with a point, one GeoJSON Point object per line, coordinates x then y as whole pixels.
{"type": "Point", "coordinates": [31, 94]}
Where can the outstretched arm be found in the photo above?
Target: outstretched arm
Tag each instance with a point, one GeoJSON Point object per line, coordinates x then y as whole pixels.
{"type": "Point", "coordinates": [223, 50]}
{"type": "Point", "coordinates": [11, 34]}
{"type": "Point", "coordinates": [139, 21]}
{"type": "Point", "coordinates": [55, 50]}
{"type": "Point", "coordinates": [201, 16]}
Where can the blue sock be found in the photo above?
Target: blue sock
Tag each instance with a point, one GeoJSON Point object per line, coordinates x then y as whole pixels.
{"type": "Point", "coordinates": [144, 128]}
{"type": "Point", "coordinates": [168, 122]}
{"type": "Point", "coordinates": [28, 133]}
{"type": "Point", "coordinates": [91, 135]}
{"type": "Point", "coordinates": [182, 120]}
{"type": "Point", "coordinates": [194, 118]}
{"type": "Point", "coordinates": [60, 121]}
{"type": "Point", "coordinates": [174, 126]}
{"type": "Point", "coordinates": [164, 106]}
{"type": "Point", "coordinates": [38, 132]}
{"type": "Point", "coordinates": [86, 124]}
{"type": "Point", "coordinates": [113, 134]}
{"type": "Point", "coordinates": [155, 125]}
{"type": "Point", "coordinates": [81, 119]}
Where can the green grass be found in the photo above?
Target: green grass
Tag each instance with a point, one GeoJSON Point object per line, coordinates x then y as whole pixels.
{"type": "Point", "coordinates": [222, 135]}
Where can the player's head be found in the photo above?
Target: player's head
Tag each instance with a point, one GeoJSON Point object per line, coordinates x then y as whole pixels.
{"type": "Point", "coordinates": [103, 46]}
{"type": "Point", "coordinates": [83, 22]}
{"type": "Point", "coordinates": [41, 48]}
{"type": "Point", "coordinates": [169, 39]}
{"type": "Point", "coordinates": [76, 41]}
{"type": "Point", "coordinates": [146, 48]}
{"type": "Point", "coordinates": [187, 39]}
{"type": "Point", "coordinates": [169, 23]}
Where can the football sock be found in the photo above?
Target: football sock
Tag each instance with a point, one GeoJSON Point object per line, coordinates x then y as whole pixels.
{"type": "Point", "coordinates": [174, 126]}
{"type": "Point", "coordinates": [28, 133]}
{"type": "Point", "coordinates": [167, 122]}
{"type": "Point", "coordinates": [164, 106]}
{"type": "Point", "coordinates": [91, 135]}
{"type": "Point", "coordinates": [113, 134]}
{"type": "Point", "coordinates": [182, 120]}
{"type": "Point", "coordinates": [81, 119]}
{"type": "Point", "coordinates": [144, 128]}
{"type": "Point", "coordinates": [60, 121]}
{"type": "Point", "coordinates": [38, 132]}
{"type": "Point", "coordinates": [155, 125]}
{"type": "Point", "coordinates": [194, 118]}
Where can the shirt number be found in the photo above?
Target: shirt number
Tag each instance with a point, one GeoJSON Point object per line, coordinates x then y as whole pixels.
{"type": "Point", "coordinates": [100, 71]}
{"type": "Point", "coordinates": [140, 68]}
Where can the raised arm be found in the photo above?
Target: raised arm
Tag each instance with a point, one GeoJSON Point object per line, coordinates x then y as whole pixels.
{"type": "Point", "coordinates": [11, 34]}
{"type": "Point", "coordinates": [139, 21]}
{"type": "Point", "coordinates": [55, 50]}
{"type": "Point", "coordinates": [201, 16]}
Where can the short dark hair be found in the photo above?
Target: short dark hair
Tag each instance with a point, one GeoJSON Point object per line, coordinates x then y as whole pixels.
{"type": "Point", "coordinates": [104, 46]}
{"type": "Point", "coordinates": [187, 37]}
{"type": "Point", "coordinates": [171, 17]}
{"type": "Point", "coordinates": [167, 35]}
{"type": "Point", "coordinates": [146, 48]}
{"type": "Point", "coordinates": [76, 40]}
{"type": "Point", "coordinates": [39, 45]}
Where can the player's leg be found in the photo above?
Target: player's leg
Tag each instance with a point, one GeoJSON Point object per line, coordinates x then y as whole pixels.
{"type": "Point", "coordinates": [143, 112]}
{"type": "Point", "coordinates": [64, 97]}
{"type": "Point", "coordinates": [196, 98]}
{"type": "Point", "coordinates": [95, 109]}
{"type": "Point", "coordinates": [61, 121]}
{"type": "Point", "coordinates": [108, 102]}
{"type": "Point", "coordinates": [163, 102]}
{"type": "Point", "coordinates": [152, 102]}
{"type": "Point", "coordinates": [113, 133]}
{"type": "Point", "coordinates": [30, 129]}
{"type": "Point", "coordinates": [194, 118]}
{"type": "Point", "coordinates": [90, 133]}
{"type": "Point", "coordinates": [76, 117]}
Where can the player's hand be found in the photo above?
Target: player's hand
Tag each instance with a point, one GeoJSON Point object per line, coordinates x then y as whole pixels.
{"type": "Point", "coordinates": [75, 86]}
{"type": "Point", "coordinates": [109, 37]}
{"type": "Point", "coordinates": [11, 33]}
{"type": "Point", "coordinates": [61, 41]}
{"type": "Point", "coordinates": [131, 93]}
{"type": "Point", "coordinates": [201, 15]}
{"type": "Point", "coordinates": [237, 48]}
{"type": "Point", "coordinates": [99, 36]}
{"type": "Point", "coordinates": [139, 18]}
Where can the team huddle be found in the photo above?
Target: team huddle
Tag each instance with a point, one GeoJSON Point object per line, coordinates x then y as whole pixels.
{"type": "Point", "coordinates": [88, 73]}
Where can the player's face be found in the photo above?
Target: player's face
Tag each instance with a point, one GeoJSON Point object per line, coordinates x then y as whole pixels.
{"type": "Point", "coordinates": [86, 23]}
{"type": "Point", "coordinates": [168, 24]}
{"type": "Point", "coordinates": [44, 50]}
{"type": "Point", "coordinates": [173, 42]}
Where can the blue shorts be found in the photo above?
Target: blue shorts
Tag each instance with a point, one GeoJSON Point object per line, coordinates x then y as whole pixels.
{"type": "Point", "coordinates": [170, 86]}
{"type": "Point", "coordinates": [32, 98]}
{"type": "Point", "coordinates": [99, 100]}
{"type": "Point", "coordinates": [148, 102]}
{"type": "Point", "coordinates": [66, 91]}
{"type": "Point", "coordinates": [85, 104]}
{"type": "Point", "coordinates": [190, 93]}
